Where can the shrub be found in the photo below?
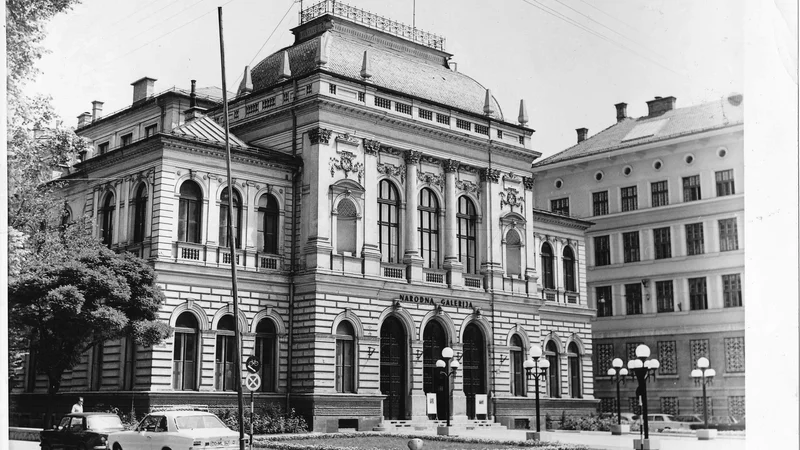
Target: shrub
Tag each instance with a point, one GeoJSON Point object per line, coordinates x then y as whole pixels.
{"type": "Point", "coordinates": [590, 423]}
{"type": "Point", "coordinates": [269, 419]}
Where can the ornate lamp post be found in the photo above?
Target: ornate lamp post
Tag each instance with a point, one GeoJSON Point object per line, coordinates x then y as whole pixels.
{"type": "Point", "coordinates": [642, 369]}
{"type": "Point", "coordinates": [704, 375]}
{"type": "Point", "coordinates": [537, 370]}
{"type": "Point", "coordinates": [449, 368]}
{"type": "Point", "coordinates": [620, 373]}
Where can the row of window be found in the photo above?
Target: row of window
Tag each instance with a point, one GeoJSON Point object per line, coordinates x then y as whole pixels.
{"type": "Point", "coordinates": [662, 242]}
{"type": "Point", "coordinates": [659, 194]}
{"type": "Point", "coordinates": [669, 405]}
{"type": "Point", "coordinates": [665, 300]}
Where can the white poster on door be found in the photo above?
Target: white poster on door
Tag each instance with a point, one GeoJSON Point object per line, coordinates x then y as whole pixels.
{"type": "Point", "coordinates": [431, 403]}
{"type": "Point", "coordinates": [481, 400]}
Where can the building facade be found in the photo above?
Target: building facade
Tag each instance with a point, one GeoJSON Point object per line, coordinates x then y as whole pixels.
{"type": "Point", "coordinates": [665, 261]}
{"type": "Point", "coordinates": [380, 215]}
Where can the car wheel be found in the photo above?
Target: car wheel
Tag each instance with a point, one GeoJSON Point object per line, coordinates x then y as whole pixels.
{"type": "Point", "coordinates": [45, 446]}
{"type": "Point", "coordinates": [117, 447]}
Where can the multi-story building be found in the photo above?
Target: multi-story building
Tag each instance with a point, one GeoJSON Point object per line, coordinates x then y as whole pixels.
{"type": "Point", "coordinates": [380, 215]}
{"type": "Point", "coordinates": [665, 261]}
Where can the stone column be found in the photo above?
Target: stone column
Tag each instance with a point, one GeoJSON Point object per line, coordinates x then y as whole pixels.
{"type": "Point", "coordinates": [116, 236]}
{"type": "Point", "coordinates": [491, 266]}
{"type": "Point", "coordinates": [124, 237]}
{"type": "Point", "coordinates": [371, 252]}
{"type": "Point", "coordinates": [411, 257]}
{"type": "Point", "coordinates": [453, 266]}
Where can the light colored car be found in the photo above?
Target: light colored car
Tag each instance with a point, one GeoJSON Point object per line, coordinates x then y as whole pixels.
{"type": "Point", "coordinates": [690, 420]}
{"type": "Point", "coordinates": [629, 418]}
{"type": "Point", "coordinates": [177, 430]}
{"type": "Point", "coordinates": [662, 422]}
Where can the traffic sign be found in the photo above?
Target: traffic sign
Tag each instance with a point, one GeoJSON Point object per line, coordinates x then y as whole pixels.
{"type": "Point", "coordinates": [253, 364]}
{"type": "Point", "coordinates": [253, 381]}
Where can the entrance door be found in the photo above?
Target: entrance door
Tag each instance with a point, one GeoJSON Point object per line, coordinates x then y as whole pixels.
{"type": "Point", "coordinates": [433, 341]}
{"type": "Point", "coordinates": [474, 366]}
{"type": "Point", "coordinates": [393, 369]}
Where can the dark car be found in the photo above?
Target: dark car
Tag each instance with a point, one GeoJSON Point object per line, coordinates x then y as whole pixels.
{"type": "Point", "coordinates": [81, 431]}
{"type": "Point", "coordinates": [722, 423]}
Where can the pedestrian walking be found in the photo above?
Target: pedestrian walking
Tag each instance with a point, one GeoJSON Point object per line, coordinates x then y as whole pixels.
{"type": "Point", "coordinates": [78, 407]}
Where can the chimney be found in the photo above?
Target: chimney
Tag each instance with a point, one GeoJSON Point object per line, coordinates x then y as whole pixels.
{"type": "Point", "coordinates": [246, 86]}
{"type": "Point", "coordinates": [142, 89]}
{"type": "Point", "coordinates": [97, 110]}
{"type": "Point", "coordinates": [582, 134]}
{"type": "Point", "coordinates": [84, 119]}
{"type": "Point", "coordinates": [622, 111]}
{"type": "Point", "coordinates": [193, 95]}
{"type": "Point", "coordinates": [194, 111]}
{"type": "Point", "coordinates": [660, 106]}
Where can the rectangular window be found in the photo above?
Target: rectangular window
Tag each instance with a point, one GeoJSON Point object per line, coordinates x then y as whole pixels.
{"type": "Point", "coordinates": [664, 296]}
{"type": "Point", "coordinates": [560, 206]}
{"type": "Point", "coordinates": [102, 148]}
{"type": "Point", "coordinates": [345, 379]}
{"type": "Point", "coordinates": [691, 188]}
{"type": "Point", "coordinates": [443, 118]}
{"type": "Point", "coordinates": [425, 114]}
{"type": "Point", "coordinates": [150, 130]}
{"type": "Point", "coordinates": [332, 89]}
{"type": "Point", "coordinates": [728, 235]}
{"type": "Point", "coordinates": [381, 102]}
{"type": "Point", "coordinates": [604, 301]}
{"type": "Point", "coordinates": [600, 203]}
{"type": "Point", "coordinates": [499, 134]}
{"type": "Point", "coordinates": [630, 244]}
{"type": "Point", "coordinates": [725, 183]}
{"type": "Point", "coordinates": [660, 193]}
{"type": "Point", "coordinates": [605, 356]}
{"type": "Point", "coordinates": [308, 90]}
{"type": "Point", "coordinates": [402, 108]}
{"type": "Point", "coordinates": [522, 140]}
{"type": "Point", "coordinates": [697, 294]}
{"type": "Point", "coordinates": [630, 199]}
{"type": "Point", "coordinates": [482, 129]}
{"type": "Point", "coordinates": [268, 103]}
{"type": "Point", "coordinates": [668, 357]}
{"type": "Point", "coordinates": [602, 251]}
{"type": "Point", "coordinates": [734, 354]}
{"type": "Point", "coordinates": [732, 290]}
{"type": "Point", "coordinates": [126, 139]}
{"type": "Point", "coordinates": [286, 96]}
{"type": "Point", "coordinates": [361, 96]}
{"type": "Point", "coordinates": [463, 124]}
{"type": "Point", "coordinates": [662, 243]}
{"type": "Point", "coordinates": [694, 239]}
{"type": "Point", "coordinates": [633, 299]}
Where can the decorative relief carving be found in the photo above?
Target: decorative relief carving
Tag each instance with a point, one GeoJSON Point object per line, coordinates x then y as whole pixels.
{"type": "Point", "coordinates": [431, 178]}
{"type": "Point", "coordinates": [492, 175]}
{"type": "Point", "coordinates": [393, 171]}
{"type": "Point", "coordinates": [431, 160]}
{"type": "Point", "coordinates": [528, 182]}
{"type": "Point", "coordinates": [511, 177]}
{"type": "Point", "coordinates": [319, 136]}
{"type": "Point", "coordinates": [468, 186]}
{"type": "Point", "coordinates": [412, 157]}
{"type": "Point", "coordinates": [371, 147]}
{"type": "Point", "coordinates": [467, 168]}
{"type": "Point", "coordinates": [511, 198]}
{"type": "Point", "coordinates": [345, 164]}
{"type": "Point", "coordinates": [347, 139]}
{"type": "Point", "coordinates": [392, 151]}
{"type": "Point", "coordinates": [450, 166]}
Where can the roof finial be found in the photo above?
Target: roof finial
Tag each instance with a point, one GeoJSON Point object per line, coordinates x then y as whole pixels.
{"type": "Point", "coordinates": [523, 113]}
{"type": "Point", "coordinates": [488, 108]}
{"type": "Point", "coordinates": [366, 70]}
{"type": "Point", "coordinates": [246, 86]}
{"type": "Point", "coordinates": [285, 72]}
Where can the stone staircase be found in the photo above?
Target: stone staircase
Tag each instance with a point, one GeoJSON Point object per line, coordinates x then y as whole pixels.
{"type": "Point", "coordinates": [395, 426]}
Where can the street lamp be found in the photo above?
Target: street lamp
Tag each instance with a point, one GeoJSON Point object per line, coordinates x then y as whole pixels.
{"type": "Point", "coordinates": [537, 370]}
{"type": "Point", "coordinates": [642, 369]}
{"type": "Point", "coordinates": [452, 367]}
{"type": "Point", "coordinates": [619, 372]}
{"type": "Point", "coordinates": [704, 375]}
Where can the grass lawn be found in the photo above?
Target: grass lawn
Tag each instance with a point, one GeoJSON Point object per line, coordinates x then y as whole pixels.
{"type": "Point", "coordinates": [394, 442]}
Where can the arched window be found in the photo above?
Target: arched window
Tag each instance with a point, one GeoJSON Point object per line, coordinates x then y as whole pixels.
{"type": "Point", "coordinates": [389, 222]}
{"type": "Point", "coordinates": [548, 277]}
{"type": "Point", "coordinates": [574, 359]}
{"type": "Point", "coordinates": [190, 212]}
{"type": "Point", "coordinates": [569, 270]}
{"type": "Point", "coordinates": [224, 373]}
{"type": "Point", "coordinates": [553, 374]}
{"type": "Point", "coordinates": [268, 224]}
{"type": "Point", "coordinates": [474, 366]}
{"type": "Point", "coordinates": [345, 358]}
{"type": "Point", "coordinates": [140, 213]}
{"type": "Point", "coordinates": [517, 368]}
{"type": "Point", "coordinates": [223, 219]}
{"type": "Point", "coordinates": [346, 227]}
{"type": "Point", "coordinates": [107, 219]}
{"type": "Point", "coordinates": [428, 228]}
{"type": "Point", "coordinates": [184, 359]}
{"type": "Point", "coordinates": [466, 234]}
{"type": "Point", "coordinates": [513, 253]}
{"type": "Point", "coordinates": [266, 340]}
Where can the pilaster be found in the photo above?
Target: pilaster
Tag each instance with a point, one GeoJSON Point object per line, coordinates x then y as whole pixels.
{"type": "Point", "coordinates": [317, 248]}
{"type": "Point", "coordinates": [451, 263]}
{"type": "Point", "coordinates": [371, 251]}
{"type": "Point", "coordinates": [492, 266]}
{"type": "Point", "coordinates": [411, 257]}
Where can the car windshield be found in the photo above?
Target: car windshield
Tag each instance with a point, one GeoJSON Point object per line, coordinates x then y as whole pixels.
{"type": "Point", "coordinates": [191, 422]}
{"type": "Point", "coordinates": [104, 423]}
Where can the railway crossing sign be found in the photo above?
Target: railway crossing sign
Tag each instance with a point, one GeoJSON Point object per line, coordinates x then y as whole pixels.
{"type": "Point", "coordinates": [253, 381]}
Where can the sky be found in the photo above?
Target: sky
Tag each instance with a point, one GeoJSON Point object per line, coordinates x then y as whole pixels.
{"type": "Point", "coordinates": [571, 60]}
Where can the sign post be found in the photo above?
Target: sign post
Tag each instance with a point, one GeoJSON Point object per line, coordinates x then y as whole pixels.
{"type": "Point", "coordinates": [253, 382]}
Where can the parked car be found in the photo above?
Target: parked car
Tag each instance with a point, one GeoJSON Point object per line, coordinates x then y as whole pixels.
{"type": "Point", "coordinates": [721, 423]}
{"type": "Point", "coordinates": [660, 422]}
{"type": "Point", "coordinates": [629, 418]}
{"type": "Point", "coordinates": [81, 431]}
{"type": "Point", "coordinates": [687, 420]}
{"type": "Point", "coordinates": [176, 430]}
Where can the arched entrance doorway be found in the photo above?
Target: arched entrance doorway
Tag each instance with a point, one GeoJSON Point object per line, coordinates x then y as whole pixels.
{"type": "Point", "coordinates": [474, 364]}
{"type": "Point", "coordinates": [393, 369]}
{"type": "Point", "coordinates": [433, 341]}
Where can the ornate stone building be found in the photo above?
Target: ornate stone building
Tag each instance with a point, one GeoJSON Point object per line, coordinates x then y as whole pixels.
{"type": "Point", "coordinates": [380, 215]}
